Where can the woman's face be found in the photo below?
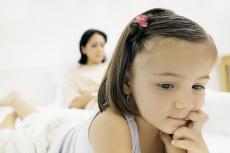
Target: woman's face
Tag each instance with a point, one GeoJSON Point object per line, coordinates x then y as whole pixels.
{"type": "Point", "coordinates": [168, 80]}
{"type": "Point", "coordinates": [94, 49]}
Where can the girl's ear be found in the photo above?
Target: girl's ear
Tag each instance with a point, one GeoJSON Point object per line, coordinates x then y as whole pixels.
{"type": "Point", "coordinates": [126, 84]}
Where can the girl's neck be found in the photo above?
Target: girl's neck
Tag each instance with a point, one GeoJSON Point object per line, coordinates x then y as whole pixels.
{"type": "Point", "coordinates": [149, 137]}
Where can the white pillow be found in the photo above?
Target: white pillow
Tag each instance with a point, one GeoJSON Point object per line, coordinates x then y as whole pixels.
{"type": "Point", "coordinates": [216, 143]}
{"type": "Point", "coordinates": [217, 106]}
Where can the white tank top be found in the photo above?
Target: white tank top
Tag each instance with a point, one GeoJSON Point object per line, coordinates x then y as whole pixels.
{"type": "Point", "coordinates": [77, 139]}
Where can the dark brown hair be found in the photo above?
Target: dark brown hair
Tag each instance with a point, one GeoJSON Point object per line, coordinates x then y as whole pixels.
{"type": "Point", "coordinates": [160, 23]}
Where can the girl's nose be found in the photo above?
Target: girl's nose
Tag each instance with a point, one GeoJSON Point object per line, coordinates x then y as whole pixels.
{"type": "Point", "coordinates": [185, 101]}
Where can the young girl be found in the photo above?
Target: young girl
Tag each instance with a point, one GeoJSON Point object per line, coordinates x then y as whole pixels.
{"type": "Point", "coordinates": [152, 94]}
{"type": "Point", "coordinates": [82, 83]}
{"type": "Point", "coordinates": [153, 91]}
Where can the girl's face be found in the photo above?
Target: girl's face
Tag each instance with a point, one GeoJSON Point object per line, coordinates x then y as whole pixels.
{"type": "Point", "coordinates": [94, 49]}
{"type": "Point", "coordinates": [168, 80]}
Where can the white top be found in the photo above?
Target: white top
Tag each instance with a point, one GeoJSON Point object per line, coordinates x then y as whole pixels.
{"type": "Point", "coordinates": [83, 78]}
{"type": "Point", "coordinates": [77, 139]}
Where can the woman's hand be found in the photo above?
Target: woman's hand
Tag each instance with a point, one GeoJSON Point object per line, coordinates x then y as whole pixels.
{"type": "Point", "coordinates": [82, 101]}
{"type": "Point", "coordinates": [190, 138]}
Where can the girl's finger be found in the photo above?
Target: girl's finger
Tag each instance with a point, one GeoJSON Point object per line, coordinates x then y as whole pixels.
{"type": "Point", "coordinates": [168, 144]}
{"type": "Point", "coordinates": [184, 144]}
{"type": "Point", "coordinates": [166, 139]}
{"type": "Point", "coordinates": [190, 146]}
{"type": "Point", "coordinates": [197, 116]}
{"type": "Point", "coordinates": [183, 133]}
{"type": "Point", "coordinates": [197, 119]}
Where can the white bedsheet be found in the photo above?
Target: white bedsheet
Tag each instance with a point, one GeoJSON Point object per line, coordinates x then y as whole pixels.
{"type": "Point", "coordinates": [217, 130]}
{"type": "Point", "coordinates": [217, 143]}
{"type": "Point", "coordinates": [40, 130]}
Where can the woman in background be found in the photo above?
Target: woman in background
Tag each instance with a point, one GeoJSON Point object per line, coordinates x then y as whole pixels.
{"type": "Point", "coordinates": [82, 83]}
{"type": "Point", "coordinates": [39, 129]}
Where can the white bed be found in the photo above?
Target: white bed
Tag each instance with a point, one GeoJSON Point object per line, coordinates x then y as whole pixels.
{"type": "Point", "coordinates": [217, 130]}
{"type": "Point", "coordinates": [45, 89]}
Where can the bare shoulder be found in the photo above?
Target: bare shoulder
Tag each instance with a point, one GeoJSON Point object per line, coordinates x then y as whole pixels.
{"type": "Point", "coordinates": [109, 132]}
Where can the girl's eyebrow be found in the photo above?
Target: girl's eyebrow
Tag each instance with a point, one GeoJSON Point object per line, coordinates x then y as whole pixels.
{"type": "Point", "coordinates": [179, 76]}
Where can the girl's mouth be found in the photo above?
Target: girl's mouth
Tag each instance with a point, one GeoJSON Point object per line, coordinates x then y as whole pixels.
{"type": "Point", "coordinates": [179, 120]}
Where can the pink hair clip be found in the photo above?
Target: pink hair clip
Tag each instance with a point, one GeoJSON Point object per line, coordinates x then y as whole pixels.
{"type": "Point", "coordinates": [142, 20]}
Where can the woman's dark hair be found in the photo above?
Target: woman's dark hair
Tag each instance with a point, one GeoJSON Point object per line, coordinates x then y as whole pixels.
{"type": "Point", "coordinates": [84, 40]}
{"type": "Point", "coordinates": [161, 23]}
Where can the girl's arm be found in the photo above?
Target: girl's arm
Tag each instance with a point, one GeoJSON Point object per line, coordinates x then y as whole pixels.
{"type": "Point", "coordinates": [109, 133]}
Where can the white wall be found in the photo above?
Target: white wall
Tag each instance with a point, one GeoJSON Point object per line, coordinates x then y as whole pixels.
{"type": "Point", "coordinates": [44, 33]}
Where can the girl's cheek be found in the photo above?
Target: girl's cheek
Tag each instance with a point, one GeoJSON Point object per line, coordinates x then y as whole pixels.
{"type": "Point", "coordinates": [163, 108]}
{"type": "Point", "coordinates": [198, 104]}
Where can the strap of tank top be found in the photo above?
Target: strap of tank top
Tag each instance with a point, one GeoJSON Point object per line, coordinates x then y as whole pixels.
{"type": "Point", "coordinates": [134, 133]}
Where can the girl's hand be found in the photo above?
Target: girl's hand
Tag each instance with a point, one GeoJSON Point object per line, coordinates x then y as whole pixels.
{"type": "Point", "coordinates": [168, 146]}
{"type": "Point", "coordinates": [190, 138]}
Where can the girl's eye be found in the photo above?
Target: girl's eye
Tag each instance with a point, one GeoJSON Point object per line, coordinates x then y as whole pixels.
{"type": "Point", "coordinates": [166, 85]}
{"type": "Point", "coordinates": [198, 87]}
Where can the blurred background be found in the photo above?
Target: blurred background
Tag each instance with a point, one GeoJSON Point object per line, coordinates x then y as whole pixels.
{"type": "Point", "coordinates": [39, 38]}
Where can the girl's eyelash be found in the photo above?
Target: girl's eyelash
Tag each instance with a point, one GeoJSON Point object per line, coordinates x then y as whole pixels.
{"type": "Point", "coordinates": [166, 85]}
{"type": "Point", "coordinates": [198, 87]}
{"type": "Point", "coordinates": [170, 85]}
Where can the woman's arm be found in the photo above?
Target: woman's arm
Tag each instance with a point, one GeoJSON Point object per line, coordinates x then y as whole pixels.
{"type": "Point", "coordinates": [82, 101]}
